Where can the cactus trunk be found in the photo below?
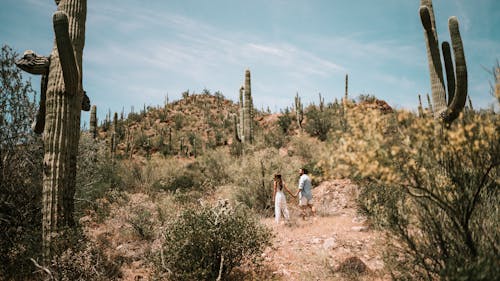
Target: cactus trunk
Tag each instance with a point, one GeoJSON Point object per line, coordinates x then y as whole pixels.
{"type": "Point", "coordinates": [248, 109]}
{"type": "Point", "coordinates": [497, 86]}
{"type": "Point", "coordinates": [93, 122]}
{"type": "Point", "coordinates": [62, 122]}
{"type": "Point", "coordinates": [246, 112]}
{"type": "Point", "coordinates": [346, 95]}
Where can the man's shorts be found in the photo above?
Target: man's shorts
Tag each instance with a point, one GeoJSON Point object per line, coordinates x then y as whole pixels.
{"type": "Point", "coordinates": [303, 201]}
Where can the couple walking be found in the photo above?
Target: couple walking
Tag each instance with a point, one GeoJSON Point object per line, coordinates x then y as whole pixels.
{"type": "Point", "coordinates": [304, 193]}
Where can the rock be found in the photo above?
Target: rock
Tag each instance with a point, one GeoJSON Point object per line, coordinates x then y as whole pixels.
{"type": "Point", "coordinates": [359, 228]}
{"type": "Point", "coordinates": [316, 241]}
{"type": "Point", "coordinates": [329, 244]}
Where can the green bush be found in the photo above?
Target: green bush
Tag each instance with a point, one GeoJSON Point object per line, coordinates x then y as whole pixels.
{"type": "Point", "coordinates": [207, 242]}
{"type": "Point", "coordinates": [318, 122]}
{"type": "Point", "coordinates": [97, 174]}
{"type": "Point", "coordinates": [285, 120]}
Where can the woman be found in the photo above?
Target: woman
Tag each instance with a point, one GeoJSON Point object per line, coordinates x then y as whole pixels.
{"type": "Point", "coordinates": [280, 199]}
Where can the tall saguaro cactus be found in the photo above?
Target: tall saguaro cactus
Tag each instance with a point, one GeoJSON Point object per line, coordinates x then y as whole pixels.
{"type": "Point", "coordinates": [299, 111]}
{"type": "Point", "coordinates": [248, 108]}
{"type": "Point", "coordinates": [63, 104]}
{"type": "Point", "coordinates": [456, 76]}
{"type": "Point", "coordinates": [497, 86]}
{"type": "Point", "coordinates": [346, 95]}
{"type": "Point", "coordinates": [93, 122]}
{"type": "Point", "coordinates": [246, 113]}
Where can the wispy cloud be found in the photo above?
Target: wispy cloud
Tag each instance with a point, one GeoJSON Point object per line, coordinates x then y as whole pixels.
{"type": "Point", "coordinates": [196, 49]}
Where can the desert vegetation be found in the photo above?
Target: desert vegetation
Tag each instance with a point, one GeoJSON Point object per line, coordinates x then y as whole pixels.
{"type": "Point", "coordinates": [180, 190]}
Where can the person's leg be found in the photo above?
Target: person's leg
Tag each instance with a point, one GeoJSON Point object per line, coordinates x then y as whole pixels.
{"type": "Point", "coordinates": [277, 209]}
{"type": "Point", "coordinates": [313, 210]}
{"type": "Point", "coordinates": [284, 210]}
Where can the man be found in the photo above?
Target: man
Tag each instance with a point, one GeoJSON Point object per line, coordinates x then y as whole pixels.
{"type": "Point", "coordinates": [305, 193]}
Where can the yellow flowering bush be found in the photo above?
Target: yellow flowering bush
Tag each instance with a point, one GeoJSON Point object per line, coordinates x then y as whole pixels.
{"type": "Point", "coordinates": [435, 188]}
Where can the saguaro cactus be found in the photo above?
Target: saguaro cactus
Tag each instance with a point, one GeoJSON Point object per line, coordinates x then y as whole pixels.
{"type": "Point", "coordinates": [420, 107]}
{"type": "Point", "coordinates": [64, 95]}
{"type": "Point", "coordinates": [299, 111]}
{"type": "Point", "coordinates": [456, 78]}
{"type": "Point", "coordinates": [93, 122]}
{"type": "Point", "coordinates": [246, 112]}
{"type": "Point", "coordinates": [248, 106]}
{"type": "Point", "coordinates": [497, 86]}
{"type": "Point", "coordinates": [346, 95]}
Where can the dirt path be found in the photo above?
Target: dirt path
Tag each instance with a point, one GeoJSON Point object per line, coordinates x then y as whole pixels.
{"type": "Point", "coordinates": [317, 248]}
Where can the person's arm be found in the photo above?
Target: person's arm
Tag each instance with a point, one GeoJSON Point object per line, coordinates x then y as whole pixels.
{"type": "Point", "coordinates": [301, 185]}
{"type": "Point", "coordinates": [288, 190]}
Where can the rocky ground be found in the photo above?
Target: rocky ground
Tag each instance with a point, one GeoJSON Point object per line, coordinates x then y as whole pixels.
{"type": "Point", "coordinates": [337, 244]}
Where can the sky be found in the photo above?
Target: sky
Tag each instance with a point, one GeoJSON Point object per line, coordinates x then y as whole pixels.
{"type": "Point", "coordinates": [137, 52]}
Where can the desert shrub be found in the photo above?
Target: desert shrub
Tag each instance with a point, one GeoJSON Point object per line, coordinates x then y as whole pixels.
{"type": "Point", "coordinates": [179, 121]}
{"type": "Point", "coordinates": [97, 174]}
{"type": "Point", "coordinates": [83, 262]}
{"type": "Point", "coordinates": [208, 242]}
{"type": "Point", "coordinates": [436, 189]}
{"type": "Point", "coordinates": [236, 148]}
{"type": "Point", "coordinates": [141, 221]}
{"type": "Point", "coordinates": [275, 138]}
{"type": "Point", "coordinates": [134, 117]}
{"type": "Point", "coordinates": [214, 167]}
{"type": "Point", "coordinates": [21, 165]}
{"type": "Point", "coordinates": [285, 120]}
{"type": "Point", "coordinates": [318, 122]}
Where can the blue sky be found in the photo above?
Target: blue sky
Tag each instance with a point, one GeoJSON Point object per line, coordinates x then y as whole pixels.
{"type": "Point", "coordinates": [137, 52]}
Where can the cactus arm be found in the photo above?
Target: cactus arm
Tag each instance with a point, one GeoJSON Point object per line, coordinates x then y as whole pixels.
{"type": "Point", "coordinates": [85, 102]}
{"type": "Point", "coordinates": [39, 124]}
{"type": "Point", "coordinates": [66, 54]}
{"type": "Point", "coordinates": [450, 71]}
{"type": "Point", "coordinates": [33, 63]}
{"type": "Point", "coordinates": [38, 65]}
{"type": "Point", "coordinates": [460, 95]}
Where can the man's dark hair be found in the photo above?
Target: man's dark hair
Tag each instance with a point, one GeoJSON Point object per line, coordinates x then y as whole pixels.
{"type": "Point", "coordinates": [304, 170]}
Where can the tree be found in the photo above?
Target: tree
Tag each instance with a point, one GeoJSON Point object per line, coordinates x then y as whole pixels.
{"type": "Point", "coordinates": [21, 157]}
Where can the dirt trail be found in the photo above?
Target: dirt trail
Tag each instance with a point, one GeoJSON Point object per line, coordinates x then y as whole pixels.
{"type": "Point", "coordinates": [315, 248]}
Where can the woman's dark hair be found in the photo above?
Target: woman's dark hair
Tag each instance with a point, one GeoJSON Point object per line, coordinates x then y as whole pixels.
{"type": "Point", "coordinates": [277, 177]}
{"type": "Point", "coordinates": [304, 170]}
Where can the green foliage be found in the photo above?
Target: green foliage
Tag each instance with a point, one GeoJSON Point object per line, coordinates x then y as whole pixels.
{"type": "Point", "coordinates": [207, 242]}
{"type": "Point", "coordinates": [135, 117]}
{"type": "Point", "coordinates": [318, 122]}
{"type": "Point", "coordinates": [97, 174]}
{"type": "Point", "coordinates": [179, 121]}
{"type": "Point", "coordinates": [285, 120]}
{"type": "Point", "coordinates": [21, 157]}
{"type": "Point", "coordinates": [367, 98]}
{"type": "Point", "coordinates": [275, 138]}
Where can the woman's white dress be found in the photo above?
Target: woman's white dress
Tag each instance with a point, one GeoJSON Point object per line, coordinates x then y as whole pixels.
{"type": "Point", "coordinates": [280, 206]}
